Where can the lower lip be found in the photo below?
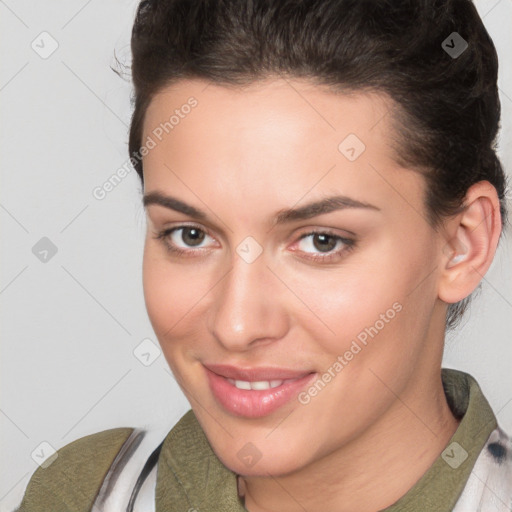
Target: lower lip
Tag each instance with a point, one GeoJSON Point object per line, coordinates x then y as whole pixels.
{"type": "Point", "coordinates": [254, 403]}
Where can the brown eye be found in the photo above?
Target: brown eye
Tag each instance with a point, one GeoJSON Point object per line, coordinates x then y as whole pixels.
{"type": "Point", "coordinates": [184, 240]}
{"type": "Point", "coordinates": [324, 246]}
{"type": "Point", "coordinates": [192, 236]}
{"type": "Point", "coordinates": [324, 242]}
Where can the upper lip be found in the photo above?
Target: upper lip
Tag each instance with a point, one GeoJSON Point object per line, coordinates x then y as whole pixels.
{"type": "Point", "coordinates": [255, 374]}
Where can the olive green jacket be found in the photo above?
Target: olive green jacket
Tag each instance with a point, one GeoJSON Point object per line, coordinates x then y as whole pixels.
{"type": "Point", "coordinates": [190, 476]}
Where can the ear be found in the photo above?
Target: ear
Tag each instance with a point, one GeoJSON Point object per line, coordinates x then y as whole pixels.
{"type": "Point", "coordinates": [473, 239]}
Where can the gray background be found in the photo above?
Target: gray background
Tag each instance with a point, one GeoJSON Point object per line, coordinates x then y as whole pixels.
{"type": "Point", "coordinates": [71, 321]}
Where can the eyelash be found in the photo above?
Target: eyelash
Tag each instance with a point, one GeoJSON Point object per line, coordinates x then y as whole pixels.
{"type": "Point", "coordinates": [349, 244]}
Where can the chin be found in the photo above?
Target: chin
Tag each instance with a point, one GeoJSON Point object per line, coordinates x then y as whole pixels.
{"type": "Point", "coordinates": [274, 463]}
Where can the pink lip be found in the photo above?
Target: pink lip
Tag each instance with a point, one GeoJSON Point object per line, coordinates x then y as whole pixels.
{"type": "Point", "coordinates": [254, 374]}
{"type": "Point", "coordinates": [254, 403]}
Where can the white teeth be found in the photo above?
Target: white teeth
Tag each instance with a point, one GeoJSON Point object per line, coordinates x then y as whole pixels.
{"type": "Point", "coordinates": [257, 385]}
{"type": "Point", "coordinates": [242, 384]}
{"type": "Point", "coordinates": [260, 385]}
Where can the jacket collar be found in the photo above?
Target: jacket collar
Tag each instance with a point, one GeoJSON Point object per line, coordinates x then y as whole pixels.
{"type": "Point", "coordinates": [191, 477]}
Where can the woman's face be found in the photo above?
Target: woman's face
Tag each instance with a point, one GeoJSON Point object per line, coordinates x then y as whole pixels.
{"type": "Point", "coordinates": [325, 329]}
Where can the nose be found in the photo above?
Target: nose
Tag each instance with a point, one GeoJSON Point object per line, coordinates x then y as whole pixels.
{"type": "Point", "coordinates": [248, 307]}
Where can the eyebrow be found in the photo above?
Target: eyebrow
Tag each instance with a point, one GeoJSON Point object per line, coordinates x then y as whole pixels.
{"type": "Point", "coordinates": [307, 211]}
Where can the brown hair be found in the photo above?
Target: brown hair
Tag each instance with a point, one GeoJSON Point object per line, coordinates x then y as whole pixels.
{"type": "Point", "coordinates": [447, 108]}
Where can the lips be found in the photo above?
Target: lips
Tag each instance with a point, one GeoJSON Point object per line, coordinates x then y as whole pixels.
{"type": "Point", "coordinates": [255, 374]}
{"type": "Point", "coordinates": [254, 392]}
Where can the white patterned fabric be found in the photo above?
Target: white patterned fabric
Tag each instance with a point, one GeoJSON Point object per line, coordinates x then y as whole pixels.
{"type": "Point", "coordinates": [489, 487]}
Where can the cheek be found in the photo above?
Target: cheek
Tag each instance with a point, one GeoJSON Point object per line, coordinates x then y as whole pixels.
{"type": "Point", "coordinates": [176, 297]}
{"type": "Point", "coordinates": [168, 291]}
{"type": "Point", "coordinates": [342, 302]}
{"type": "Point", "coordinates": [376, 301]}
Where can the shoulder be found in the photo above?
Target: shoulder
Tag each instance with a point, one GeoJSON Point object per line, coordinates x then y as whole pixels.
{"type": "Point", "coordinates": [490, 482]}
{"type": "Point", "coordinates": [74, 474]}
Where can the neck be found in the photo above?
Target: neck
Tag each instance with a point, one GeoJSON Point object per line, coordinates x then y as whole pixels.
{"type": "Point", "coordinates": [371, 472]}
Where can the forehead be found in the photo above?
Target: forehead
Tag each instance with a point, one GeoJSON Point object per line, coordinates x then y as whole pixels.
{"type": "Point", "coordinates": [291, 103]}
{"type": "Point", "coordinates": [279, 139]}
{"type": "Point", "coordinates": [279, 119]}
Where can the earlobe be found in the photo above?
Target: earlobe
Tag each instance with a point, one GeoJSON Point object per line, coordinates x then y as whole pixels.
{"type": "Point", "coordinates": [469, 254]}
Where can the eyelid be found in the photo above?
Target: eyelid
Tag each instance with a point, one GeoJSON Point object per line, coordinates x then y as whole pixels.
{"type": "Point", "coordinates": [160, 217]}
{"type": "Point", "coordinates": [347, 243]}
{"type": "Point", "coordinates": [168, 231]}
{"type": "Point", "coordinates": [335, 232]}
{"type": "Point", "coordinates": [306, 231]}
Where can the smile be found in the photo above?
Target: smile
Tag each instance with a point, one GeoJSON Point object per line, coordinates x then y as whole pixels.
{"type": "Point", "coordinates": [257, 385]}
{"type": "Point", "coordinates": [257, 392]}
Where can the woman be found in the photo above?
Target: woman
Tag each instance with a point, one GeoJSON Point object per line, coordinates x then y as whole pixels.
{"type": "Point", "coordinates": [323, 195]}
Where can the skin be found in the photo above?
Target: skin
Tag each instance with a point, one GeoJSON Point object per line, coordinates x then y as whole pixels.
{"type": "Point", "coordinates": [242, 155]}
